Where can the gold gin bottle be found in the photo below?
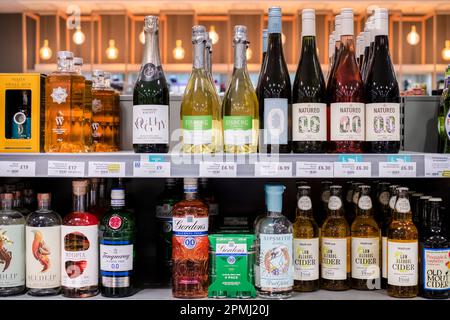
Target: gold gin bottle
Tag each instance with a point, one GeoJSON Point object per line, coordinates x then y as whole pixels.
{"type": "Point", "coordinates": [115, 112]}
{"type": "Point", "coordinates": [402, 250]}
{"type": "Point", "coordinates": [64, 109]}
{"type": "Point", "coordinates": [365, 244]}
{"type": "Point", "coordinates": [335, 245]}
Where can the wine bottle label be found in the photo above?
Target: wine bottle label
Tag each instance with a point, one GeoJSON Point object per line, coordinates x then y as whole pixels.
{"type": "Point", "coordinates": [306, 259]}
{"type": "Point", "coordinates": [384, 257]}
{"type": "Point", "coordinates": [383, 122]}
{"type": "Point", "coordinates": [43, 257]}
{"type": "Point", "coordinates": [213, 209]}
{"type": "Point", "coordinates": [334, 258]}
{"type": "Point", "coordinates": [79, 258]}
{"type": "Point", "coordinates": [309, 122]}
{"type": "Point", "coordinates": [436, 263]}
{"type": "Point", "coordinates": [304, 203]}
{"type": "Point", "coordinates": [164, 211]}
{"type": "Point", "coordinates": [365, 203]}
{"type": "Point", "coordinates": [402, 205]}
{"type": "Point", "coordinates": [275, 121]}
{"type": "Point", "coordinates": [347, 121]}
{"type": "Point", "coordinates": [384, 198]}
{"type": "Point", "coordinates": [275, 261]}
{"type": "Point", "coordinates": [12, 258]}
{"type": "Point", "coordinates": [237, 130]}
{"type": "Point", "coordinates": [116, 260]}
{"type": "Point", "coordinates": [197, 130]}
{"type": "Point", "coordinates": [402, 262]}
{"type": "Point", "coordinates": [334, 203]}
{"type": "Point", "coordinates": [365, 258]}
{"type": "Point", "coordinates": [150, 124]}
{"type": "Point", "coordinates": [447, 124]}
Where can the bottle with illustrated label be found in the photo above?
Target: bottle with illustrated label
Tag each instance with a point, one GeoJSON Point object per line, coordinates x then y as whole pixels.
{"type": "Point", "coordinates": [200, 107]}
{"type": "Point", "coordinates": [275, 92]}
{"type": "Point", "coordinates": [306, 244]}
{"type": "Point", "coordinates": [190, 252]}
{"type": "Point", "coordinates": [436, 254]}
{"type": "Point", "coordinates": [117, 238]}
{"type": "Point", "coordinates": [366, 251]}
{"type": "Point", "coordinates": [265, 35]}
{"type": "Point", "coordinates": [335, 245]}
{"type": "Point", "coordinates": [309, 109]}
{"type": "Point", "coordinates": [151, 97]}
{"type": "Point", "coordinates": [346, 92]}
{"type": "Point", "coordinates": [43, 249]}
{"type": "Point", "coordinates": [274, 241]}
{"type": "Point", "coordinates": [402, 250]}
{"type": "Point", "coordinates": [240, 104]}
{"type": "Point", "coordinates": [208, 196]}
{"type": "Point", "coordinates": [12, 242]}
{"type": "Point", "coordinates": [79, 247]}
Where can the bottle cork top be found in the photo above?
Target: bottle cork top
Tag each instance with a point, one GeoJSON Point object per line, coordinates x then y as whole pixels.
{"type": "Point", "coordinates": [43, 196]}
{"type": "Point", "coordinates": [6, 196]}
{"type": "Point", "coordinates": [79, 187]}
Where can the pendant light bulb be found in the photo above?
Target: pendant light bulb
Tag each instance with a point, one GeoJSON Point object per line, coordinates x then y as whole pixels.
{"type": "Point", "coordinates": [413, 37]}
{"type": "Point", "coordinates": [213, 35]}
{"type": "Point", "coordinates": [45, 52]}
{"type": "Point", "coordinates": [78, 37]}
{"type": "Point", "coordinates": [178, 52]}
{"type": "Point", "coordinates": [446, 51]}
{"type": "Point", "coordinates": [112, 52]}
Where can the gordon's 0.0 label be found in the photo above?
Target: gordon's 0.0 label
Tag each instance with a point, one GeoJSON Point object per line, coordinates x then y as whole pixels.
{"type": "Point", "coordinates": [402, 262]}
{"type": "Point", "coordinates": [365, 258]}
{"type": "Point", "coordinates": [191, 231]}
{"type": "Point", "coordinates": [12, 261]}
{"type": "Point", "coordinates": [347, 121]}
{"type": "Point", "coordinates": [309, 122]}
{"type": "Point", "coordinates": [436, 266]}
{"type": "Point", "coordinates": [383, 122]}
{"type": "Point", "coordinates": [306, 259]}
{"type": "Point", "coordinates": [334, 258]}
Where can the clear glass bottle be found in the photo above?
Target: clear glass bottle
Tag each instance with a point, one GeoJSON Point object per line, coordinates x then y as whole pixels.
{"type": "Point", "coordinates": [207, 194]}
{"type": "Point", "coordinates": [115, 113]}
{"type": "Point", "coordinates": [18, 204]}
{"type": "Point", "coordinates": [393, 192]}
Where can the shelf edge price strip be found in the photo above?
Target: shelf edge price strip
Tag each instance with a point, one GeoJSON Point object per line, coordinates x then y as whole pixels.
{"type": "Point", "coordinates": [151, 169]}
{"type": "Point", "coordinates": [273, 169]}
{"type": "Point", "coordinates": [397, 169]}
{"type": "Point", "coordinates": [17, 168]}
{"type": "Point", "coordinates": [437, 165]}
{"type": "Point", "coordinates": [217, 169]}
{"type": "Point", "coordinates": [106, 169]}
{"type": "Point", "coordinates": [65, 169]}
{"type": "Point", "coordinates": [352, 169]}
{"type": "Point", "coordinates": [314, 169]}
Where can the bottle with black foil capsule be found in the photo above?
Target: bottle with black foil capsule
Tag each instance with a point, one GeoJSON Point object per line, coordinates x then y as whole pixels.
{"type": "Point", "coordinates": [275, 92]}
{"type": "Point", "coordinates": [117, 237]}
{"type": "Point", "coordinates": [151, 97]}
{"type": "Point", "coordinates": [337, 50]}
{"type": "Point", "coordinates": [309, 109]}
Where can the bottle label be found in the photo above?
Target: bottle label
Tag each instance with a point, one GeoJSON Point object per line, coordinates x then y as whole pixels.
{"type": "Point", "coordinates": [447, 124]}
{"type": "Point", "coordinates": [383, 122]}
{"type": "Point", "coordinates": [116, 260]}
{"type": "Point", "coordinates": [325, 196]}
{"type": "Point", "coordinates": [276, 269]}
{"type": "Point", "coordinates": [334, 258]}
{"type": "Point", "coordinates": [150, 124]}
{"type": "Point", "coordinates": [115, 222]}
{"type": "Point", "coordinates": [309, 122]}
{"type": "Point", "coordinates": [237, 130]}
{"type": "Point", "coordinates": [79, 259]}
{"type": "Point", "coordinates": [164, 211]}
{"type": "Point", "coordinates": [392, 201]}
{"type": "Point", "coordinates": [43, 257]}
{"type": "Point", "coordinates": [347, 121]}
{"type": "Point", "coordinates": [197, 130]}
{"type": "Point", "coordinates": [12, 259]}
{"type": "Point", "coordinates": [59, 95]}
{"type": "Point", "coordinates": [384, 257]}
{"type": "Point", "coordinates": [402, 205]}
{"type": "Point", "coordinates": [365, 258]}
{"type": "Point", "coordinates": [384, 198]}
{"type": "Point", "coordinates": [304, 203]}
{"type": "Point", "coordinates": [213, 209]}
{"type": "Point", "coordinates": [402, 263]}
{"type": "Point", "coordinates": [334, 203]}
{"type": "Point", "coordinates": [436, 265]}
{"type": "Point", "coordinates": [365, 203]}
{"type": "Point", "coordinates": [190, 226]}
{"type": "Point", "coordinates": [275, 121]}
{"type": "Point", "coordinates": [306, 259]}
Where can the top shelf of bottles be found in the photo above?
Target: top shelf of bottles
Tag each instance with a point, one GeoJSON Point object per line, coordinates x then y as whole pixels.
{"type": "Point", "coordinates": [129, 164]}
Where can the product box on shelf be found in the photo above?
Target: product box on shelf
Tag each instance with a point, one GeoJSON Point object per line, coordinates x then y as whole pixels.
{"type": "Point", "coordinates": [22, 112]}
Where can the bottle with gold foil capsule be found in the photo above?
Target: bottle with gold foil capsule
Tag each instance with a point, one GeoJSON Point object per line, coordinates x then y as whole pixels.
{"type": "Point", "coordinates": [365, 245]}
{"type": "Point", "coordinates": [306, 244]}
{"type": "Point", "coordinates": [384, 233]}
{"type": "Point", "coordinates": [115, 113]}
{"type": "Point", "coordinates": [402, 250]}
{"type": "Point", "coordinates": [64, 108]}
{"type": "Point", "coordinates": [335, 245]}
{"type": "Point", "coordinates": [43, 249]}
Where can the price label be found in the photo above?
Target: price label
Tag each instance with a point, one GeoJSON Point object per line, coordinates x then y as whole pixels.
{"type": "Point", "coordinates": [352, 169]}
{"type": "Point", "coordinates": [273, 169]}
{"type": "Point", "coordinates": [151, 169]}
{"type": "Point", "coordinates": [397, 169]}
{"type": "Point", "coordinates": [17, 168]}
{"type": "Point", "coordinates": [65, 169]}
{"type": "Point", "coordinates": [437, 165]}
{"type": "Point", "coordinates": [314, 169]}
{"type": "Point", "coordinates": [218, 169]}
{"type": "Point", "coordinates": [106, 169]}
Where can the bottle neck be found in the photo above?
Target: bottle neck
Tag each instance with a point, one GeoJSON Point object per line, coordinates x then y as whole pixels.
{"type": "Point", "coordinates": [93, 196]}
{"type": "Point", "coordinates": [240, 60]}
{"type": "Point", "coordinates": [65, 65]}
{"type": "Point", "coordinates": [274, 214]}
{"type": "Point", "coordinates": [435, 221]}
{"type": "Point", "coordinates": [348, 44]}
{"type": "Point", "coordinates": [199, 55]}
{"type": "Point", "coordinates": [79, 203]}
{"type": "Point", "coordinates": [151, 49]}
{"type": "Point", "coordinates": [208, 60]}
{"type": "Point", "coordinates": [7, 204]}
{"type": "Point", "coordinates": [44, 205]}
{"type": "Point", "coordinates": [309, 47]}
{"type": "Point", "coordinates": [190, 195]}
{"type": "Point", "coordinates": [17, 203]}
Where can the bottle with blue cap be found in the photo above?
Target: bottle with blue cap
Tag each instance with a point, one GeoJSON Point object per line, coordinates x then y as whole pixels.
{"type": "Point", "coordinates": [274, 241]}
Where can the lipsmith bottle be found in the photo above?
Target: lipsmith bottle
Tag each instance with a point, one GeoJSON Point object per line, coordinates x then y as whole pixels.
{"type": "Point", "coordinates": [151, 97]}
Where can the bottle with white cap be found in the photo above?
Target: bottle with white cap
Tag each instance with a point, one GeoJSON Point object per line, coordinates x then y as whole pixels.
{"type": "Point", "coordinates": [370, 42]}
{"type": "Point", "coordinates": [337, 47]}
{"type": "Point", "coordinates": [366, 40]}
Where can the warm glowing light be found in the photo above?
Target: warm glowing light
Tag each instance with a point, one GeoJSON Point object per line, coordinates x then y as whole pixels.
{"type": "Point", "coordinates": [45, 52]}
{"type": "Point", "coordinates": [213, 35]}
{"type": "Point", "coordinates": [248, 53]}
{"type": "Point", "coordinates": [112, 52]}
{"type": "Point", "coordinates": [178, 52]}
{"type": "Point", "coordinates": [283, 38]}
{"type": "Point", "coordinates": [142, 37]}
{"type": "Point", "coordinates": [413, 37]}
{"type": "Point", "coordinates": [446, 51]}
{"type": "Point", "coordinates": [78, 37]}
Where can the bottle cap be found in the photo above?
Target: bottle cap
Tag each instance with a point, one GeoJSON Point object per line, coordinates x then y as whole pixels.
{"type": "Point", "coordinates": [337, 28]}
{"type": "Point", "coordinates": [6, 196]}
{"type": "Point", "coordinates": [402, 189]}
{"type": "Point", "coordinates": [308, 22]}
{"type": "Point", "coordinates": [43, 196]}
{"type": "Point", "coordinates": [198, 34]}
{"type": "Point", "coordinates": [64, 55]}
{"type": "Point", "coordinates": [275, 12]}
{"type": "Point", "coordinates": [435, 200]}
{"type": "Point", "coordinates": [79, 187]}
{"type": "Point", "coordinates": [381, 21]}
{"type": "Point", "coordinates": [425, 197]}
{"type": "Point", "coordinates": [240, 34]}
{"type": "Point", "coordinates": [98, 73]}
{"type": "Point", "coordinates": [117, 194]}
{"type": "Point", "coordinates": [347, 22]}
{"type": "Point", "coordinates": [190, 181]}
{"type": "Point", "coordinates": [274, 199]}
{"type": "Point", "coordinates": [77, 61]}
{"type": "Point", "coordinates": [151, 23]}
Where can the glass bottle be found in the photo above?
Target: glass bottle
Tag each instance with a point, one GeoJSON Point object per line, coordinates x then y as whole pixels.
{"type": "Point", "coordinates": [264, 54]}
{"type": "Point", "coordinates": [12, 247]}
{"type": "Point", "coordinates": [240, 104]}
{"type": "Point", "coordinates": [306, 244]}
{"type": "Point", "coordinates": [382, 208]}
{"type": "Point", "coordinates": [368, 41]}
{"type": "Point", "coordinates": [43, 249]}
{"type": "Point", "coordinates": [115, 113]}
{"type": "Point", "coordinates": [309, 109]}
{"type": "Point", "coordinates": [207, 194]}
{"type": "Point", "coordinates": [402, 250]}
{"type": "Point", "coordinates": [18, 204]}
{"type": "Point", "coordinates": [151, 97]}
{"type": "Point", "coordinates": [29, 199]}
{"type": "Point", "coordinates": [190, 243]}
{"type": "Point", "coordinates": [335, 245]}
{"type": "Point", "coordinates": [274, 239]}
{"type": "Point", "coordinates": [208, 58]}
{"type": "Point", "coordinates": [324, 199]}
{"type": "Point", "coordinates": [79, 238]}
{"type": "Point", "coordinates": [351, 214]}
{"type": "Point", "coordinates": [415, 197]}
{"type": "Point", "coordinates": [366, 237]}
{"type": "Point", "coordinates": [337, 50]}
{"type": "Point", "coordinates": [393, 192]}
{"type": "Point", "coordinates": [94, 199]}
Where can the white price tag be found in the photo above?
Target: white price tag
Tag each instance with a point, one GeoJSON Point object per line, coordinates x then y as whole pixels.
{"type": "Point", "coordinates": [314, 169]}
{"type": "Point", "coordinates": [397, 169]}
{"type": "Point", "coordinates": [65, 169]}
{"type": "Point", "coordinates": [106, 169]}
{"type": "Point", "coordinates": [17, 168]}
{"type": "Point", "coordinates": [273, 169]}
{"type": "Point", "coordinates": [151, 169]}
{"type": "Point", "coordinates": [352, 169]}
{"type": "Point", "coordinates": [218, 169]}
{"type": "Point", "coordinates": [437, 165]}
